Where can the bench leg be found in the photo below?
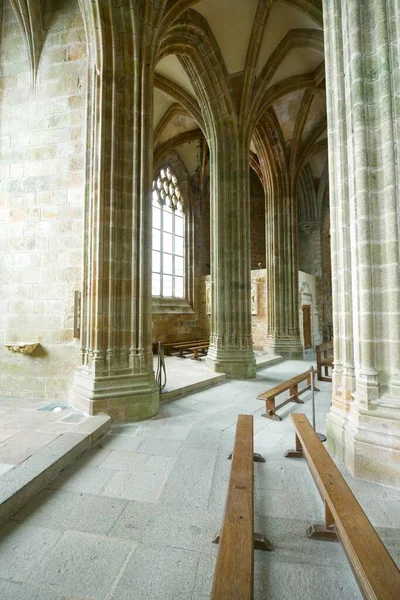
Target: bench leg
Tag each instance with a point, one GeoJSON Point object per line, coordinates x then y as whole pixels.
{"type": "Point", "coordinates": [297, 453]}
{"type": "Point", "coordinates": [294, 394]}
{"type": "Point", "coordinates": [259, 540]}
{"type": "Point", "coordinates": [326, 532]}
{"type": "Point", "coordinates": [270, 410]}
{"type": "Point", "coordinates": [256, 457]}
{"type": "Point", "coordinates": [195, 355]}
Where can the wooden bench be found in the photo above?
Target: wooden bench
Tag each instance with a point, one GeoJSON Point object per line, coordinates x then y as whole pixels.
{"type": "Point", "coordinates": [185, 346]}
{"type": "Point", "coordinates": [374, 568]}
{"type": "Point", "coordinates": [324, 361]}
{"type": "Point", "coordinates": [169, 346]}
{"type": "Point", "coordinates": [293, 386]}
{"type": "Point", "coordinates": [233, 576]}
{"type": "Point", "coordinates": [195, 349]}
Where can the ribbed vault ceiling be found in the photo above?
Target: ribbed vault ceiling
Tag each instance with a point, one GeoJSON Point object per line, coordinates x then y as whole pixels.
{"type": "Point", "coordinates": [286, 38]}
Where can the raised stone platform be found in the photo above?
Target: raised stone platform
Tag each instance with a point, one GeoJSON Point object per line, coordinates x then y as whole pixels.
{"type": "Point", "coordinates": [36, 445]}
{"type": "Point", "coordinates": [185, 376]}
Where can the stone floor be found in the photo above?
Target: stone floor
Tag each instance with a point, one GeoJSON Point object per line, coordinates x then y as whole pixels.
{"type": "Point", "coordinates": [134, 517]}
{"type": "Point", "coordinates": [186, 375]}
{"type": "Point", "coordinates": [25, 427]}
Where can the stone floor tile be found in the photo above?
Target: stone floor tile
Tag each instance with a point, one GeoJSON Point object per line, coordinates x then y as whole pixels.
{"type": "Point", "coordinates": [22, 548]}
{"type": "Point", "coordinates": [128, 443]}
{"type": "Point", "coordinates": [83, 565]}
{"type": "Point", "coordinates": [136, 521]}
{"type": "Point", "coordinates": [158, 573]}
{"type": "Point", "coordinates": [143, 486]}
{"type": "Point", "coordinates": [277, 580]}
{"type": "Point", "coordinates": [205, 573]}
{"type": "Point", "coordinates": [160, 446]}
{"type": "Point", "coordinates": [190, 481]}
{"type": "Point", "coordinates": [193, 529]}
{"type": "Point", "coordinates": [67, 510]}
{"type": "Point", "coordinates": [31, 439]}
{"type": "Point", "coordinates": [56, 428]}
{"type": "Point", "coordinates": [6, 434]}
{"type": "Point", "coordinates": [123, 460]}
{"type": "Point", "coordinates": [87, 480]}
{"type": "Point", "coordinates": [5, 467]}
{"type": "Point", "coordinates": [13, 455]}
{"type": "Point", "coordinates": [164, 431]}
{"type": "Point", "coordinates": [18, 591]}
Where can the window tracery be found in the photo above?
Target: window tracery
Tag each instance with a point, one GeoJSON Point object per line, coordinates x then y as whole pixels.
{"type": "Point", "coordinates": [168, 264]}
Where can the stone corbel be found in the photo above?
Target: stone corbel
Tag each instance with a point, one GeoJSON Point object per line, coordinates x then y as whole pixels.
{"type": "Point", "coordinates": [22, 348]}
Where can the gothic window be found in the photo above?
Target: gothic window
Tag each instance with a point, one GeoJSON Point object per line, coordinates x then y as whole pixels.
{"type": "Point", "coordinates": [168, 237]}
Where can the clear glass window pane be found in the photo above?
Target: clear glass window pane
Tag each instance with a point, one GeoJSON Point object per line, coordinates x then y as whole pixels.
{"type": "Point", "coordinates": [167, 264]}
{"type": "Point", "coordinates": [179, 287]}
{"type": "Point", "coordinates": [167, 285]}
{"type": "Point", "coordinates": [179, 266]}
{"type": "Point", "coordinates": [168, 221]}
{"type": "Point", "coordinates": [167, 242]}
{"type": "Point", "coordinates": [156, 239]}
{"type": "Point", "coordinates": [155, 284]}
{"type": "Point", "coordinates": [178, 225]}
{"type": "Point", "coordinates": [156, 217]}
{"type": "Point", "coordinates": [156, 266]}
{"type": "Point", "coordinates": [178, 246]}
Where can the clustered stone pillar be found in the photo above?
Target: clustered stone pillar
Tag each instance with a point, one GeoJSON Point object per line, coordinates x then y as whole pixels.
{"type": "Point", "coordinates": [363, 85]}
{"type": "Point", "coordinates": [116, 375]}
{"type": "Point", "coordinates": [231, 347]}
{"type": "Point", "coordinates": [283, 332]}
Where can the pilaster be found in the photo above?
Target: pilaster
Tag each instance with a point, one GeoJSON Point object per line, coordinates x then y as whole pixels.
{"type": "Point", "coordinates": [363, 89]}
{"type": "Point", "coordinates": [116, 372]}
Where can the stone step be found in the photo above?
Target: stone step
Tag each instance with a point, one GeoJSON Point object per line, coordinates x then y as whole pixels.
{"type": "Point", "coordinates": [26, 480]}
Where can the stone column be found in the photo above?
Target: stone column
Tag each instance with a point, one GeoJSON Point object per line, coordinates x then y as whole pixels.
{"type": "Point", "coordinates": [363, 85]}
{"type": "Point", "coordinates": [116, 373]}
{"type": "Point", "coordinates": [282, 331]}
{"type": "Point", "coordinates": [231, 346]}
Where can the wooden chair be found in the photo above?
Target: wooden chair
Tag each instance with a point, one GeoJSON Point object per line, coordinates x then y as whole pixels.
{"type": "Point", "coordinates": [374, 568]}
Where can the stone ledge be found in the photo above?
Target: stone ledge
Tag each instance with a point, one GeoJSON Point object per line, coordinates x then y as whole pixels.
{"type": "Point", "coordinates": [26, 480]}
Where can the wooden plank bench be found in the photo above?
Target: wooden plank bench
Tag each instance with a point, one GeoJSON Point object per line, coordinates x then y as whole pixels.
{"type": "Point", "coordinates": [195, 349]}
{"type": "Point", "coordinates": [185, 346]}
{"type": "Point", "coordinates": [234, 571]}
{"type": "Point", "coordinates": [324, 361]}
{"type": "Point", "coordinates": [293, 386]}
{"type": "Point", "coordinates": [374, 568]}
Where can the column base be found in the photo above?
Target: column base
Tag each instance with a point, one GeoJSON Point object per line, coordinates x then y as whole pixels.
{"type": "Point", "coordinates": [367, 441]}
{"type": "Point", "coordinates": [236, 364]}
{"type": "Point", "coordinates": [130, 397]}
{"type": "Point", "coordinates": [289, 349]}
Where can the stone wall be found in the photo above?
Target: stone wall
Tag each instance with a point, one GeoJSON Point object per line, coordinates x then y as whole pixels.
{"type": "Point", "coordinates": [258, 318]}
{"type": "Point", "coordinates": [41, 200]}
{"type": "Point", "coordinates": [315, 258]}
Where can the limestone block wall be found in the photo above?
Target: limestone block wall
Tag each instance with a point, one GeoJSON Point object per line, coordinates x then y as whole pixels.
{"type": "Point", "coordinates": [308, 294]}
{"type": "Point", "coordinates": [315, 258]}
{"type": "Point", "coordinates": [41, 200]}
{"type": "Point", "coordinates": [259, 302]}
